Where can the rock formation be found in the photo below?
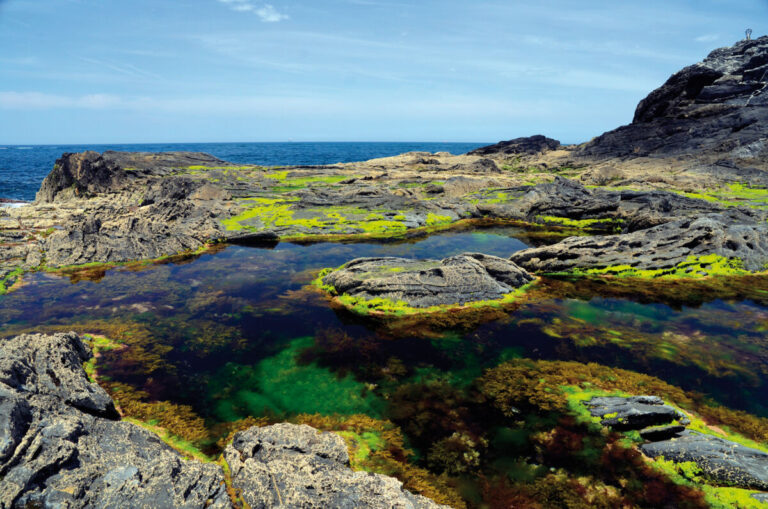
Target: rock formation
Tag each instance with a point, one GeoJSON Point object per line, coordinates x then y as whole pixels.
{"type": "Point", "coordinates": [468, 277]}
{"type": "Point", "coordinates": [717, 107]}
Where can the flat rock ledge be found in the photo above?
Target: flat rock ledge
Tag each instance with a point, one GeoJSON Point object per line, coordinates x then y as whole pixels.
{"type": "Point", "coordinates": [62, 445]}
{"type": "Point", "coordinates": [721, 460]}
{"type": "Point", "coordinates": [458, 280]}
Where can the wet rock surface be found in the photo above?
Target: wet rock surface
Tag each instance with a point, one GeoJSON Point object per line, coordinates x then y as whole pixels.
{"type": "Point", "coordinates": [61, 446]}
{"type": "Point", "coordinates": [719, 459]}
{"type": "Point", "coordinates": [632, 413]}
{"type": "Point", "coordinates": [288, 465]}
{"type": "Point", "coordinates": [468, 277]}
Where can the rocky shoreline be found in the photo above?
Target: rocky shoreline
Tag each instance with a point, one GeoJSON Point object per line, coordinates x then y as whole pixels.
{"type": "Point", "coordinates": [679, 193]}
{"type": "Point", "coordinates": [62, 444]}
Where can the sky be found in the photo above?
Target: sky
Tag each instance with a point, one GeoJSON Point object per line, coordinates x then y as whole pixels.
{"type": "Point", "coordinates": [144, 71]}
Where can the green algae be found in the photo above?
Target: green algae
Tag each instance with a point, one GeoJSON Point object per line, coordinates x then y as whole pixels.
{"type": "Point", "coordinates": [583, 224]}
{"type": "Point", "coordinates": [280, 386]}
{"type": "Point", "coordinates": [12, 278]}
{"type": "Point", "coordinates": [185, 447]}
{"type": "Point", "coordinates": [693, 266]}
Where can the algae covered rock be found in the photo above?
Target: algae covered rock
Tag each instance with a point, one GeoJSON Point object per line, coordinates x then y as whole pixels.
{"type": "Point", "coordinates": [461, 279]}
{"type": "Point", "coordinates": [289, 465]}
{"type": "Point", "coordinates": [731, 241]}
{"type": "Point", "coordinates": [719, 459]}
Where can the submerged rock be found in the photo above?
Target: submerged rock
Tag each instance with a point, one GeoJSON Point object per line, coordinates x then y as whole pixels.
{"type": "Point", "coordinates": [632, 413]}
{"type": "Point", "coordinates": [289, 465]}
{"type": "Point", "coordinates": [731, 235]}
{"type": "Point", "coordinates": [719, 459]}
{"type": "Point", "coordinates": [460, 279]}
{"type": "Point", "coordinates": [61, 446]}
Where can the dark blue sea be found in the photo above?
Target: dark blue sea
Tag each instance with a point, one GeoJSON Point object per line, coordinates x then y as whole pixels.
{"type": "Point", "coordinates": [23, 168]}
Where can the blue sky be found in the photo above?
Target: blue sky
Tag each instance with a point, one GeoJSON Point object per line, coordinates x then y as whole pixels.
{"type": "Point", "coordinates": [100, 71]}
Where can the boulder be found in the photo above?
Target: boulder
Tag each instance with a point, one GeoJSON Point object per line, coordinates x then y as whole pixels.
{"type": "Point", "coordinates": [632, 413]}
{"type": "Point", "coordinates": [289, 465]}
{"type": "Point", "coordinates": [719, 459]}
{"type": "Point", "coordinates": [459, 279]}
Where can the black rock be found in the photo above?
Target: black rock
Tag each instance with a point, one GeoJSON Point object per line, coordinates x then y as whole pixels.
{"type": "Point", "coordinates": [718, 107]}
{"type": "Point", "coordinates": [719, 459]}
{"type": "Point", "coordinates": [635, 412]}
{"type": "Point", "coordinates": [81, 175]}
{"type": "Point", "coordinates": [661, 432]}
{"type": "Point", "coordinates": [530, 145]}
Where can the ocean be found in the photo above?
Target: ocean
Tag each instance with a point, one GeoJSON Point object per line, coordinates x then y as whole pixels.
{"type": "Point", "coordinates": [23, 167]}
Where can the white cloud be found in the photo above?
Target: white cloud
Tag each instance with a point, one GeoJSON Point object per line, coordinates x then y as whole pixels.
{"type": "Point", "coordinates": [267, 12]}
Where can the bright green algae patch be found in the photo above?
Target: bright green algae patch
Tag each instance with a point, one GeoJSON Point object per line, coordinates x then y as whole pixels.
{"type": "Point", "coordinates": [613, 224]}
{"type": "Point", "coordinates": [693, 266]}
{"type": "Point", "coordinates": [282, 386]}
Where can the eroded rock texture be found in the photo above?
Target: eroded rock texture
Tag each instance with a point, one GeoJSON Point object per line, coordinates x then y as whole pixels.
{"type": "Point", "coordinates": [289, 465]}
{"type": "Point", "coordinates": [731, 234]}
{"type": "Point", "coordinates": [459, 279]}
{"type": "Point", "coordinates": [60, 445]}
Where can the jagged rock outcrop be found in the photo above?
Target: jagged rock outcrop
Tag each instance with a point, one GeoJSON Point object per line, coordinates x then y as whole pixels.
{"type": "Point", "coordinates": [719, 459]}
{"type": "Point", "coordinates": [529, 145]}
{"type": "Point", "coordinates": [730, 234]}
{"type": "Point", "coordinates": [288, 465]}
{"type": "Point", "coordinates": [161, 163]}
{"type": "Point", "coordinates": [717, 107]}
{"type": "Point", "coordinates": [62, 445]}
{"type": "Point", "coordinates": [81, 175]}
{"type": "Point", "coordinates": [459, 279]}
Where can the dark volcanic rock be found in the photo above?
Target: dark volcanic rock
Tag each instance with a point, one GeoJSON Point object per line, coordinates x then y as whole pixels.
{"type": "Point", "coordinates": [82, 174]}
{"type": "Point", "coordinates": [721, 460]}
{"type": "Point", "coordinates": [718, 106]}
{"type": "Point", "coordinates": [61, 447]}
{"type": "Point", "coordinates": [566, 198]}
{"type": "Point", "coordinates": [635, 412]}
{"type": "Point", "coordinates": [530, 145]}
{"type": "Point", "coordinates": [459, 279]}
{"type": "Point", "coordinates": [730, 234]}
{"type": "Point", "coordinates": [288, 465]}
